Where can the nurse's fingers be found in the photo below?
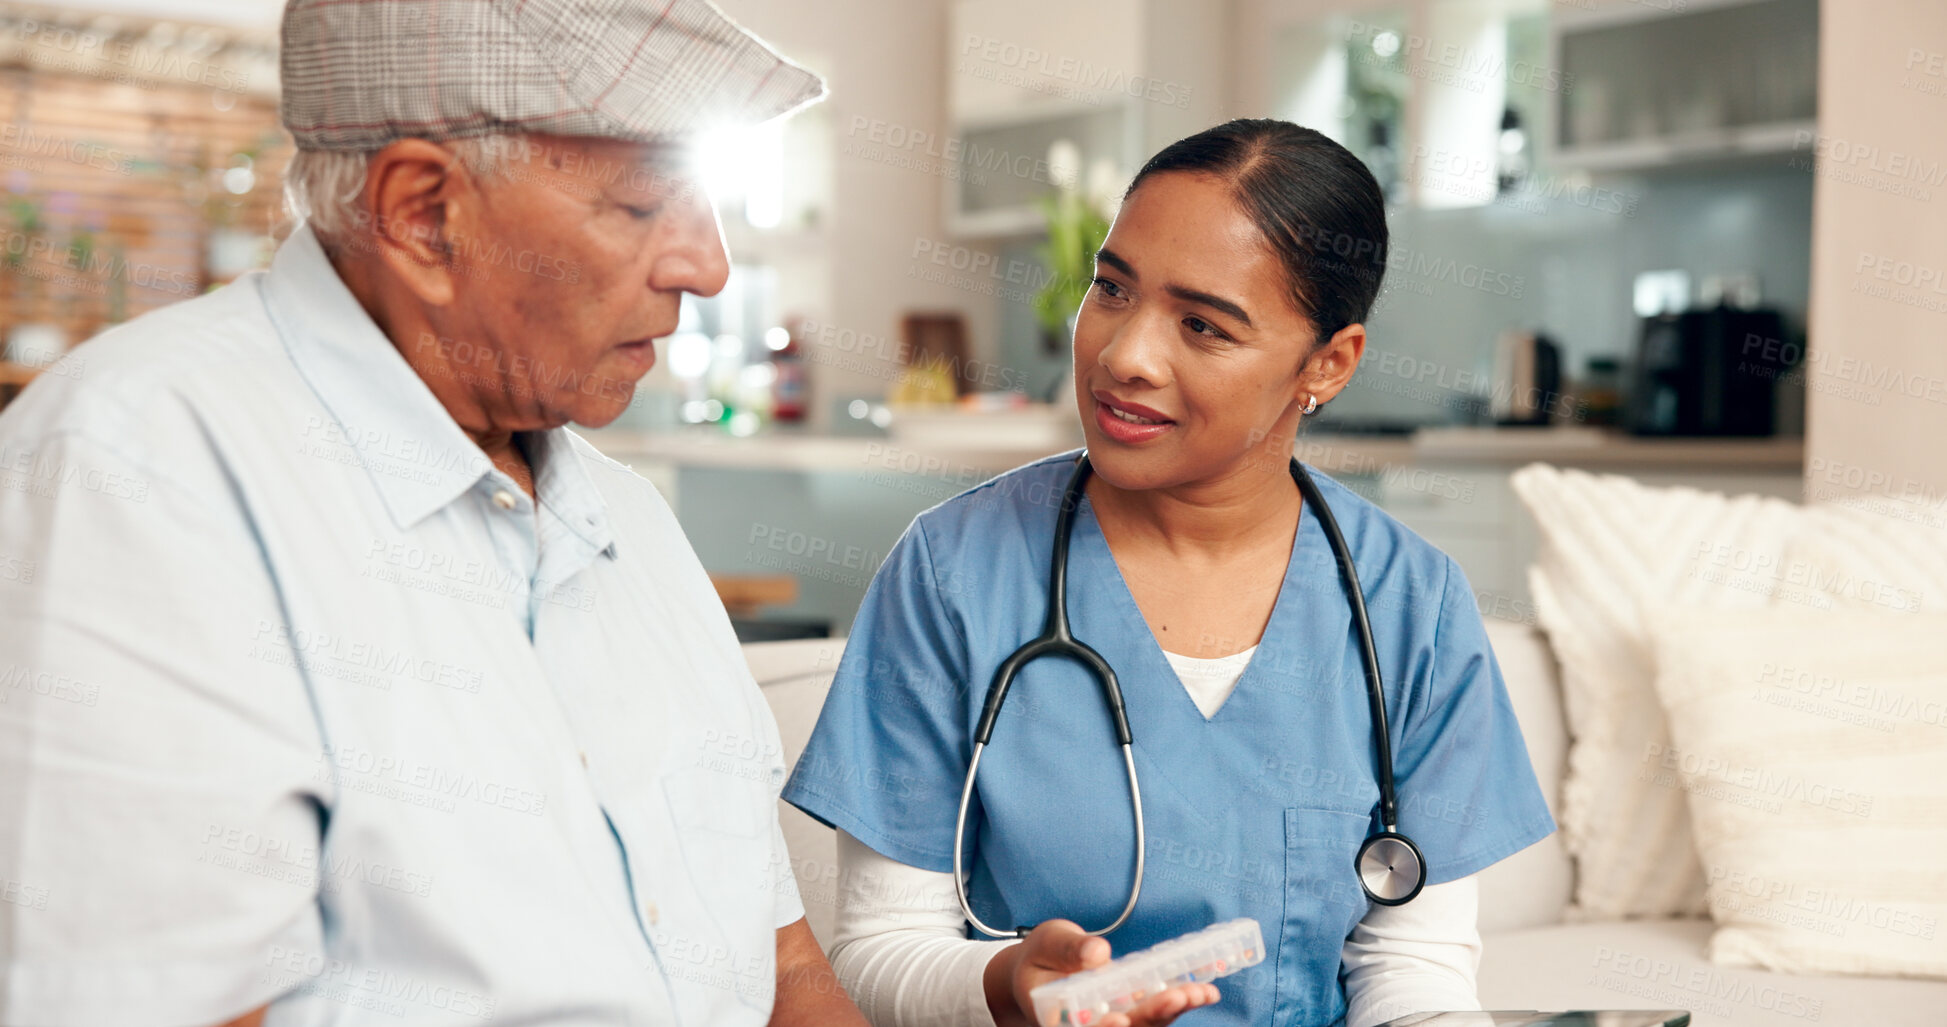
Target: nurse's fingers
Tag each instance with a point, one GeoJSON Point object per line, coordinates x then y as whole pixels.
{"type": "Point", "coordinates": [1063, 946]}
{"type": "Point", "coordinates": [1160, 1009]}
{"type": "Point", "coordinates": [1050, 952]}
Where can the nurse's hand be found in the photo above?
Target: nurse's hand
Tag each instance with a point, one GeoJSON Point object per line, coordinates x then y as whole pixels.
{"type": "Point", "coordinates": [1059, 948]}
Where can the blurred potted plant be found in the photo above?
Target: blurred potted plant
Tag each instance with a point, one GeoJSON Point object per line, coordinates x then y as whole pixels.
{"type": "Point", "coordinates": [24, 217]}
{"type": "Point", "coordinates": [79, 258]}
{"type": "Point", "coordinates": [29, 343]}
{"type": "Point", "coordinates": [1076, 228]}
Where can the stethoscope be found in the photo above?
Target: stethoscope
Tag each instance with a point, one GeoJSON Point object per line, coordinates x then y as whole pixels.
{"type": "Point", "coordinates": [1389, 865]}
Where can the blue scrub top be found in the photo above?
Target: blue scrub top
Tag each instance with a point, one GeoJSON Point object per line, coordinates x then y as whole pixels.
{"type": "Point", "coordinates": [1257, 811]}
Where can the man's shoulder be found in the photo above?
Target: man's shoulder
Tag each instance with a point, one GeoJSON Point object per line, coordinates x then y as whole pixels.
{"type": "Point", "coordinates": [173, 394]}
{"type": "Point", "coordinates": [618, 483]}
{"type": "Point", "coordinates": [131, 374]}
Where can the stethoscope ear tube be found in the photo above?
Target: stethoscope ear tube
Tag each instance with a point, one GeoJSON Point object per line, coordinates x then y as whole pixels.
{"type": "Point", "coordinates": [1055, 640]}
{"type": "Point", "coordinates": [959, 853]}
{"type": "Point", "coordinates": [960, 849]}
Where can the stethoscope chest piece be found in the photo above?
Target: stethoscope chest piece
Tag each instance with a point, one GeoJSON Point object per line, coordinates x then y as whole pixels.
{"type": "Point", "coordinates": [1390, 868]}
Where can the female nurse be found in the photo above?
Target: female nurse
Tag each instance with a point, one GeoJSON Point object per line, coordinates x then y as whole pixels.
{"type": "Point", "coordinates": [1227, 304]}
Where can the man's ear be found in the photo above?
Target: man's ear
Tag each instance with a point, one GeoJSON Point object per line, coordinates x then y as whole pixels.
{"type": "Point", "coordinates": [419, 194]}
{"type": "Point", "coordinates": [1326, 372]}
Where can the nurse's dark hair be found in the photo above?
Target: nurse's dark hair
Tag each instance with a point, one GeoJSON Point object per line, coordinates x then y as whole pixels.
{"type": "Point", "coordinates": [1317, 206]}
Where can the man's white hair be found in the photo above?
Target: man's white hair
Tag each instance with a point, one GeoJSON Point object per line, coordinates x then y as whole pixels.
{"type": "Point", "coordinates": [324, 188]}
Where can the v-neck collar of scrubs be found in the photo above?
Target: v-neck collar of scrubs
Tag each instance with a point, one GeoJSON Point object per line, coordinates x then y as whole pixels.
{"type": "Point", "coordinates": [1164, 722]}
{"type": "Point", "coordinates": [1091, 547]}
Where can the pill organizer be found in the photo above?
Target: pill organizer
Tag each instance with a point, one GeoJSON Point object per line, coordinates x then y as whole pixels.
{"type": "Point", "coordinates": [1118, 985]}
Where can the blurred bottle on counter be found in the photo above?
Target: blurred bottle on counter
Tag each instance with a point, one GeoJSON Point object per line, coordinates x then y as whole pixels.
{"type": "Point", "coordinates": [791, 386]}
{"type": "Point", "coordinates": [1599, 393]}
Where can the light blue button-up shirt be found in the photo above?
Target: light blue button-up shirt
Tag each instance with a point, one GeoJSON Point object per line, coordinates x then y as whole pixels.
{"type": "Point", "coordinates": [303, 701]}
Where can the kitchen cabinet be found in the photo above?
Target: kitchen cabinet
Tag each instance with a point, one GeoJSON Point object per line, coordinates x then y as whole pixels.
{"type": "Point", "coordinates": [1650, 85]}
{"type": "Point", "coordinates": [1116, 79]}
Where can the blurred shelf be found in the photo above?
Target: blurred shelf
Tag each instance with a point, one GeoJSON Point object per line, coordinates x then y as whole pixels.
{"type": "Point", "coordinates": [1691, 149]}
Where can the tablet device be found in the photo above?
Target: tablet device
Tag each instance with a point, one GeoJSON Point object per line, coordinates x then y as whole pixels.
{"type": "Point", "coordinates": [1531, 1018]}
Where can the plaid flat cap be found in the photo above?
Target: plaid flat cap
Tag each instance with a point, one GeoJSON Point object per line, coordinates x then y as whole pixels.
{"type": "Point", "coordinates": [358, 74]}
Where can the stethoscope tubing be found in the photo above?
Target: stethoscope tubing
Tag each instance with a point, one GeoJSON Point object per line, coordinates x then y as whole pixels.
{"type": "Point", "coordinates": [1382, 741]}
{"type": "Point", "coordinates": [1056, 639]}
{"type": "Point", "coordinates": [959, 850]}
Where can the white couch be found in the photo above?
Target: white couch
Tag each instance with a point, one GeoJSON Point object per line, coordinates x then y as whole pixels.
{"type": "Point", "coordinates": [1532, 959]}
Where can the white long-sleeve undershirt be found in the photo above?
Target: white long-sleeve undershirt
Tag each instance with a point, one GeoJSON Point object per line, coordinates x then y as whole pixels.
{"type": "Point", "coordinates": [901, 951]}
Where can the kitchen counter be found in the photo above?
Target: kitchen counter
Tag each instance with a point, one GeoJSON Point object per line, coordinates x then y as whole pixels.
{"type": "Point", "coordinates": [1331, 452]}
{"type": "Point", "coordinates": [790, 451]}
{"type": "Point", "coordinates": [825, 509]}
{"type": "Point", "coordinates": [1596, 447]}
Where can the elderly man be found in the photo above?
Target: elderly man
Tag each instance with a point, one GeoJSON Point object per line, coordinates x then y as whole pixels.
{"type": "Point", "coordinates": [339, 682]}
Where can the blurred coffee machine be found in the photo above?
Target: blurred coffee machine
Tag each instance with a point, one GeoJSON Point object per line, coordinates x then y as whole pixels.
{"type": "Point", "coordinates": [1712, 369]}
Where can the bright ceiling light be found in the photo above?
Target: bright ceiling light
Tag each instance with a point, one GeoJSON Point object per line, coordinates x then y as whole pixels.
{"type": "Point", "coordinates": [745, 166]}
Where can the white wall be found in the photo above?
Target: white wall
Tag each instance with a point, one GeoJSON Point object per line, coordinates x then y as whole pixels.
{"type": "Point", "coordinates": [1876, 403]}
{"type": "Point", "coordinates": [1189, 44]}
{"type": "Point", "coordinates": [884, 62]}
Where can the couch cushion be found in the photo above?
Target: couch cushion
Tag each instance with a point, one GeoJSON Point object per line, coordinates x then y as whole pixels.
{"type": "Point", "coordinates": [794, 677]}
{"type": "Point", "coordinates": [1872, 552]}
{"type": "Point", "coordinates": [1531, 887]}
{"type": "Point", "coordinates": [1660, 964]}
{"type": "Point", "coordinates": [1811, 744]}
{"type": "Point", "coordinates": [1611, 548]}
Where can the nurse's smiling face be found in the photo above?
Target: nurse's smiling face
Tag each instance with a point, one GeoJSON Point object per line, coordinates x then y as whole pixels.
{"type": "Point", "coordinates": [1193, 356]}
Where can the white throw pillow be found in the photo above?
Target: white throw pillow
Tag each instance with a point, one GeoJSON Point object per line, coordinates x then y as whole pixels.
{"type": "Point", "coordinates": [1610, 549]}
{"type": "Point", "coordinates": [1874, 553]}
{"type": "Point", "coordinates": [1813, 747]}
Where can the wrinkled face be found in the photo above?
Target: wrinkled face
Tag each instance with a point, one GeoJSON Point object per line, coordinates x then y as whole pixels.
{"type": "Point", "coordinates": [1189, 346]}
{"type": "Point", "coordinates": [568, 264]}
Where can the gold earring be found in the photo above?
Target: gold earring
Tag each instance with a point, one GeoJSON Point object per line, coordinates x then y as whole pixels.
{"type": "Point", "coordinates": [1311, 404]}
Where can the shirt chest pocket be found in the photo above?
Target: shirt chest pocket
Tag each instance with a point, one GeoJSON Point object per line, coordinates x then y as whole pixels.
{"type": "Point", "coordinates": [1323, 902]}
{"type": "Point", "coordinates": [726, 941]}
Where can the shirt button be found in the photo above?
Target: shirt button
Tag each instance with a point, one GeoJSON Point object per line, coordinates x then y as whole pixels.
{"type": "Point", "coordinates": [504, 499]}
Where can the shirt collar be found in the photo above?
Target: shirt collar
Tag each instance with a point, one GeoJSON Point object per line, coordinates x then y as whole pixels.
{"type": "Point", "coordinates": [418, 458]}
{"type": "Point", "coordinates": [562, 482]}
